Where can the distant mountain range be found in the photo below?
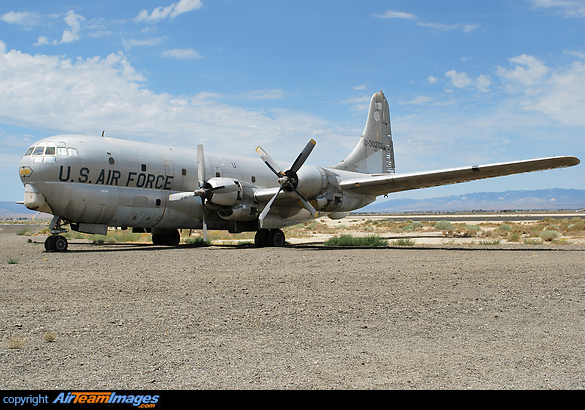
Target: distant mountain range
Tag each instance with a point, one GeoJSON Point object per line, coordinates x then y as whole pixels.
{"type": "Point", "coordinates": [541, 199]}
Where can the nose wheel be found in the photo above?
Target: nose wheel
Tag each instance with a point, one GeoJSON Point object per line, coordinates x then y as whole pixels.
{"type": "Point", "coordinates": [56, 243]}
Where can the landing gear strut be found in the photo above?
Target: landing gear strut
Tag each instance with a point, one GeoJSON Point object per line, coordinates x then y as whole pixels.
{"type": "Point", "coordinates": [269, 238]}
{"type": "Point", "coordinates": [56, 242]}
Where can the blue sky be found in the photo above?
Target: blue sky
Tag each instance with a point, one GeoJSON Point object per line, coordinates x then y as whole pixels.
{"type": "Point", "coordinates": [468, 82]}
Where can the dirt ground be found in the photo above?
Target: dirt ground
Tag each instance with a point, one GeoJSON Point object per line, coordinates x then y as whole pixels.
{"type": "Point", "coordinates": [138, 316]}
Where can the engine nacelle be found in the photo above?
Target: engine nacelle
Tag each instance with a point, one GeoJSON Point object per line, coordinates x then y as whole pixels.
{"type": "Point", "coordinates": [244, 212]}
{"type": "Point", "coordinates": [224, 191]}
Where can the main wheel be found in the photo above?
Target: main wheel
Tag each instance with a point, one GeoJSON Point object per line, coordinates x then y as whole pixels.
{"type": "Point", "coordinates": [276, 238]}
{"type": "Point", "coordinates": [172, 238]}
{"type": "Point", "coordinates": [261, 238]}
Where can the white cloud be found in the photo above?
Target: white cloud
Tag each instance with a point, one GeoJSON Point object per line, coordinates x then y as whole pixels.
{"type": "Point", "coordinates": [528, 70]}
{"type": "Point", "coordinates": [561, 96]}
{"type": "Point", "coordinates": [153, 41]}
{"type": "Point", "coordinates": [61, 95]}
{"type": "Point", "coordinates": [462, 80]}
{"type": "Point", "coordinates": [263, 94]}
{"type": "Point", "coordinates": [569, 8]}
{"type": "Point", "coordinates": [70, 35]}
{"type": "Point", "coordinates": [391, 14]}
{"type": "Point", "coordinates": [181, 54]}
{"type": "Point", "coordinates": [172, 11]}
{"type": "Point", "coordinates": [23, 18]}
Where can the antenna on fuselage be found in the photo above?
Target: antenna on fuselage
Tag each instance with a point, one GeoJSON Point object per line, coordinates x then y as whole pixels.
{"type": "Point", "coordinates": [103, 132]}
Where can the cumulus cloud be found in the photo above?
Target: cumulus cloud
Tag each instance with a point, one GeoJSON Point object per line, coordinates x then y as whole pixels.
{"type": "Point", "coordinates": [64, 95]}
{"type": "Point", "coordinates": [560, 96]}
{"type": "Point", "coordinates": [172, 11]}
{"type": "Point", "coordinates": [568, 8]}
{"type": "Point", "coordinates": [527, 70]}
{"type": "Point", "coordinates": [392, 14]}
{"type": "Point", "coordinates": [70, 35]}
{"type": "Point", "coordinates": [463, 80]}
{"type": "Point", "coordinates": [23, 18]}
{"type": "Point", "coordinates": [181, 54]}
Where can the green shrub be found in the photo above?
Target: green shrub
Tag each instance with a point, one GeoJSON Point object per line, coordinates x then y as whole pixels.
{"type": "Point", "coordinates": [444, 226]}
{"type": "Point", "coordinates": [492, 242]}
{"type": "Point", "coordinates": [515, 237]}
{"type": "Point", "coordinates": [349, 240]}
{"type": "Point", "coordinates": [404, 242]}
{"type": "Point", "coordinates": [197, 242]}
{"type": "Point", "coordinates": [549, 235]}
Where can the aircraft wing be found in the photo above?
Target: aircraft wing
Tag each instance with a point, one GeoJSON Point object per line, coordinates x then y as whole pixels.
{"type": "Point", "coordinates": [375, 185]}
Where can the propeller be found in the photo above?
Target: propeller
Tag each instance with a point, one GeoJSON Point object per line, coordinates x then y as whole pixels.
{"type": "Point", "coordinates": [202, 192]}
{"type": "Point", "coordinates": [288, 179]}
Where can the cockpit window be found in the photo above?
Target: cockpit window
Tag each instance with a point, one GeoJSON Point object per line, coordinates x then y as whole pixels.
{"type": "Point", "coordinates": [52, 149]}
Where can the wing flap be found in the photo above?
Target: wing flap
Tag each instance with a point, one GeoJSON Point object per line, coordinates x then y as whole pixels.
{"type": "Point", "coordinates": [388, 183]}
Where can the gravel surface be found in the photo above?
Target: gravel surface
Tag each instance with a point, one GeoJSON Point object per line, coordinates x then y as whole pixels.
{"type": "Point", "coordinates": [301, 317]}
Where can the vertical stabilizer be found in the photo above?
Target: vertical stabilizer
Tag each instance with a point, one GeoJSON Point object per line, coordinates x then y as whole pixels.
{"type": "Point", "coordinates": [374, 153]}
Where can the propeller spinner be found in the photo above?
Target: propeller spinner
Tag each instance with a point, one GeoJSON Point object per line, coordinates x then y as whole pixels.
{"type": "Point", "coordinates": [288, 179]}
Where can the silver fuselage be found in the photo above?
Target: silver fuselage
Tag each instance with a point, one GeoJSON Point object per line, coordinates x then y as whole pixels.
{"type": "Point", "coordinates": [121, 183]}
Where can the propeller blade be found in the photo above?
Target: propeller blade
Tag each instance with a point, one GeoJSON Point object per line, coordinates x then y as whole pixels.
{"type": "Point", "coordinates": [303, 156]}
{"type": "Point", "coordinates": [180, 195]}
{"type": "Point", "coordinates": [200, 166]}
{"type": "Point", "coordinates": [267, 207]}
{"type": "Point", "coordinates": [306, 204]}
{"type": "Point", "coordinates": [269, 161]}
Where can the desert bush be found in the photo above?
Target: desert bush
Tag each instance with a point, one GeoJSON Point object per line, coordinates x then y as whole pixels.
{"type": "Point", "coordinates": [349, 240]}
{"type": "Point", "coordinates": [515, 237]}
{"type": "Point", "coordinates": [197, 242]}
{"type": "Point", "coordinates": [549, 235]}
{"type": "Point", "coordinates": [444, 226]}
{"type": "Point", "coordinates": [404, 242]}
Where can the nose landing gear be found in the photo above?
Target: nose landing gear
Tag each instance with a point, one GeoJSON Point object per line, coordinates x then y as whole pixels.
{"type": "Point", "coordinates": [56, 242]}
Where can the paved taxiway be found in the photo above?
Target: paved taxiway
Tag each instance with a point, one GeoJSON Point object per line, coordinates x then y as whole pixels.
{"type": "Point", "coordinates": [307, 317]}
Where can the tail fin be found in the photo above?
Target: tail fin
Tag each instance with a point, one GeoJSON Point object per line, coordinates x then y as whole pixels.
{"type": "Point", "coordinates": [374, 154]}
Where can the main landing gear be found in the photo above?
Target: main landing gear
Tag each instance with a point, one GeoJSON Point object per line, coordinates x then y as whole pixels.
{"type": "Point", "coordinates": [56, 242]}
{"type": "Point", "coordinates": [269, 238]}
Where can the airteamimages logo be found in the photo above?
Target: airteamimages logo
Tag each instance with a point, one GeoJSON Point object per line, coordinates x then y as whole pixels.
{"type": "Point", "coordinates": [141, 401]}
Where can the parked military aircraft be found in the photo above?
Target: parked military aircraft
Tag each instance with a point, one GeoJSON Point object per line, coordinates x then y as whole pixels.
{"type": "Point", "coordinates": [92, 183]}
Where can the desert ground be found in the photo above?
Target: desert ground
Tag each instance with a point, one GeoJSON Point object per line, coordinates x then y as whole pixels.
{"type": "Point", "coordinates": [447, 312]}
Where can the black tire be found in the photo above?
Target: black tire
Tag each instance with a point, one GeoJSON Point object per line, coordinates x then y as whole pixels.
{"type": "Point", "coordinates": [276, 238]}
{"type": "Point", "coordinates": [50, 243]}
{"type": "Point", "coordinates": [172, 239]}
{"type": "Point", "coordinates": [261, 238]}
{"type": "Point", "coordinates": [61, 244]}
